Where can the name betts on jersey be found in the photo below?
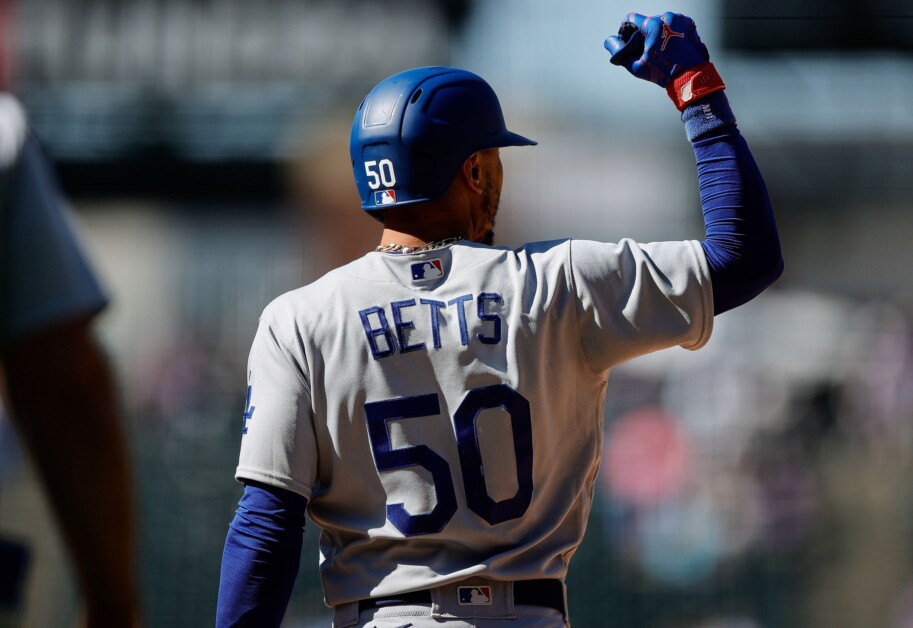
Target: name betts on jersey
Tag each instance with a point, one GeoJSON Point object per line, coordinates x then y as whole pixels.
{"type": "Point", "coordinates": [385, 339]}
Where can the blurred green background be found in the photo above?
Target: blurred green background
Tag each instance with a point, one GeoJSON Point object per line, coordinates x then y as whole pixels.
{"type": "Point", "coordinates": [761, 482]}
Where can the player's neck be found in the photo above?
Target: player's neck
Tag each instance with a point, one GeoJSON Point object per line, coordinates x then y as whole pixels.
{"type": "Point", "coordinates": [422, 223]}
{"type": "Point", "coordinates": [417, 237]}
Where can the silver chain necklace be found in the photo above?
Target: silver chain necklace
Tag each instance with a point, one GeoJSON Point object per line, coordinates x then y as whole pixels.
{"type": "Point", "coordinates": [399, 248]}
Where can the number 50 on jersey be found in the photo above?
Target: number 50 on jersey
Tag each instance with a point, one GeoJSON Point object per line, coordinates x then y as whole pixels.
{"type": "Point", "coordinates": [379, 413]}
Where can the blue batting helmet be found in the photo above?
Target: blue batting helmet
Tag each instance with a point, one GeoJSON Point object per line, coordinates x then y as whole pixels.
{"type": "Point", "coordinates": [415, 129]}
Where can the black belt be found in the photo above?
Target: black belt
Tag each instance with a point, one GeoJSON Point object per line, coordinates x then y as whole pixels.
{"type": "Point", "coordinates": [546, 593]}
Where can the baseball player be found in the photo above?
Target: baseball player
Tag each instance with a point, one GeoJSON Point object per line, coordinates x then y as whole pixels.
{"type": "Point", "coordinates": [58, 384]}
{"type": "Point", "coordinates": [436, 406]}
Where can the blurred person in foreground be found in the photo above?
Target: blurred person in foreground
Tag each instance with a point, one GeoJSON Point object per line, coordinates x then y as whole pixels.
{"type": "Point", "coordinates": [57, 382]}
{"type": "Point", "coordinates": [436, 406]}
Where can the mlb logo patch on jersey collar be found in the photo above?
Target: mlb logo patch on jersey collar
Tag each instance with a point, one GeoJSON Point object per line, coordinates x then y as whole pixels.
{"type": "Point", "coordinates": [474, 596]}
{"type": "Point", "coordinates": [428, 270]}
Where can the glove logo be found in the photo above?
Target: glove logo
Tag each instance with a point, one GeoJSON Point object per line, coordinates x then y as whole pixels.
{"type": "Point", "coordinates": [474, 596]}
{"type": "Point", "coordinates": [668, 34]}
{"type": "Point", "coordinates": [687, 92]}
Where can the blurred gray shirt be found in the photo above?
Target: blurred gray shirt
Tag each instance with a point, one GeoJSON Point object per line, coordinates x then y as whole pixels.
{"type": "Point", "coordinates": [45, 277]}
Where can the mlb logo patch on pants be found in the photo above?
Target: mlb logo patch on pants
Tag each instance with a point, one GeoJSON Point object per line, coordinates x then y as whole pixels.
{"type": "Point", "coordinates": [474, 596]}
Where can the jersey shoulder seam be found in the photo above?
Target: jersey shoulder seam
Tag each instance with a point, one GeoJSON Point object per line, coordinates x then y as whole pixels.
{"type": "Point", "coordinates": [572, 285]}
{"type": "Point", "coordinates": [268, 318]}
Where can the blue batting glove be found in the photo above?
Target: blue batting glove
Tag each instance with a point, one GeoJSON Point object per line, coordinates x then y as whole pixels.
{"type": "Point", "coordinates": [657, 48]}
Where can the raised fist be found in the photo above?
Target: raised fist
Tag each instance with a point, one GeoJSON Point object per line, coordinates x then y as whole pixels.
{"type": "Point", "coordinates": [657, 48]}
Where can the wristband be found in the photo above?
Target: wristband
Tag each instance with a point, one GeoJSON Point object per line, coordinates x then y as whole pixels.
{"type": "Point", "coordinates": [709, 116]}
{"type": "Point", "coordinates": [694, 84]}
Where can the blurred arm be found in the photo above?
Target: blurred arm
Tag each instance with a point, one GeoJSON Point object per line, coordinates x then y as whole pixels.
{"type": "Point", "coordinates": [261, 557]}
{"type": "Point", "coordinates": [62, 398]}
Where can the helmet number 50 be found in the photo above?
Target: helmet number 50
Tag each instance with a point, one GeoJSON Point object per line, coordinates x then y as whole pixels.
{"type": "Point", "coordinates": [380, 173]}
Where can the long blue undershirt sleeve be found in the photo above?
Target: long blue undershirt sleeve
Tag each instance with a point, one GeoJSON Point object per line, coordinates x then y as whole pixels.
{"type": "Point", "coordinates": [261, 557]}
{"type": "Point", "coordinates": [742, 245]}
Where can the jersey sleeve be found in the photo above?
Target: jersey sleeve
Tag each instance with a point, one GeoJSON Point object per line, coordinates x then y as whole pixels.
{"type": "Point", "coordinates": [278, 445]}
{"type": "Point", "coordinates": [635, 298]}
{"type": "Point", "coordinates": [45, 276]}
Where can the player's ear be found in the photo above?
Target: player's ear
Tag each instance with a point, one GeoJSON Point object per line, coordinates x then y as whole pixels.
{"type": "Point", "coordinates": [471, 172]}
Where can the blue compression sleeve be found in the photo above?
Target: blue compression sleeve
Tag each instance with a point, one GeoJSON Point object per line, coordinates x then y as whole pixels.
{"type": "Point", "coordinates": [261, 557]}
{"type": "Point", "coordinates": [742, 245]}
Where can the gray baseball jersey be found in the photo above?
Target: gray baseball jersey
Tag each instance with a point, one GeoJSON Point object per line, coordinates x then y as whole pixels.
{"type": "Point", "coordinates": [45, 276]}
{"type": "Point", "coordinates": [442, 412]}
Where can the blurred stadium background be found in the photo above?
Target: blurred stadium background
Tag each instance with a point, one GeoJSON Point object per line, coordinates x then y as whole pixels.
{"type": "Point", "coordinates": [762, 482]}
